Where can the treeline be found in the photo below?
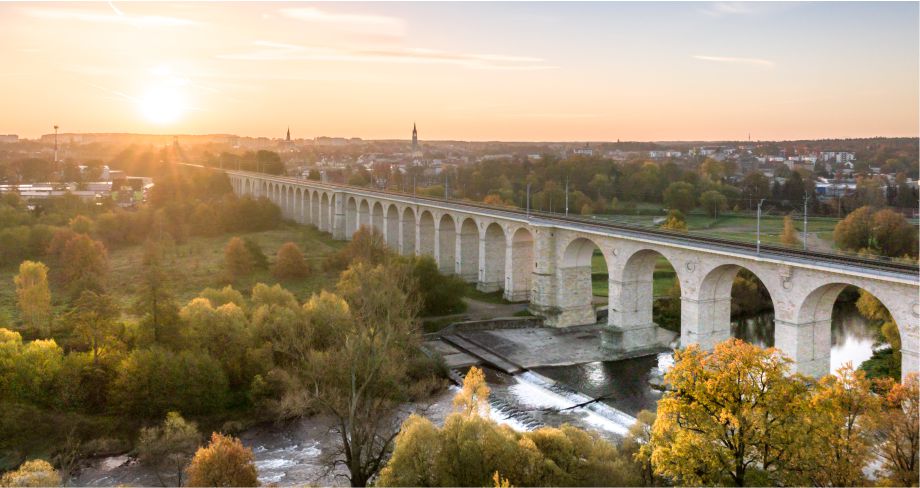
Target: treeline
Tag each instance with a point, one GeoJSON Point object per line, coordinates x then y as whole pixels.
{"type": "Point", "coordinates": [598, 185]}
{"type": "Point", "coordinates": [194, 204]}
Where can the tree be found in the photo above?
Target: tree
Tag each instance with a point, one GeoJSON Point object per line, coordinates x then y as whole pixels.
{"type": "Point", "coordinates": [472, 449]}
{"type": "Point", "coordinates": [713, 202]}
{"type": "Point", "coordinates": [854, 231]}
{"type": "Point", "coordinates": [362, 376]}
{"type": "Point", "coordinates": [33, 296]}
{"type": "Point", "coordinates": [893, 235]}
{"type": "Point", "coordinates": [94, 317]}
{"type": "Point", "coordinates": [675, 221]}
{"type": "Point", "coordinates": [36, 472]}
{"type": "Point", "coordinates": [223, 462]}
{"type": "Point", "coordinates": [473, 399]}
{"type": "Point", "coordinates": [756, 186]}
{"type": "Point", "coordinates": [290, 262]}
{"type": "Point", "coordinates": [155, 302]}
{"type": "Point", "coordinates": [679, 196]}
{"type": "Point", "coordinates": [237, 259]}
{"type": "Point", "coordinates": [899, 433]}
{"type": "Point", "coordinates": [259, 259]}
{"type": "Point", "coordinates": [169, 447]}
{"type": "Point", "coordinates": [790, 236]}
{"type": "Point", "coordinates": [83, 264]}
{"type": "Point", "coordinates": [728, 416]}
{"type": "Point", "coordinates": [840, 445]}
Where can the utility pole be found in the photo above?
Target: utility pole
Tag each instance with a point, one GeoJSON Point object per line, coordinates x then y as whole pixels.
{"type": "Point", "coordinates": [528, 199]}
{"type": "Point", "coordinates": [805, 225]}
{"type": "Point", "coordinates": [758, 223]}
{"type": "Point", "coordinates": [55, 146]}
{"type": "Point", "coordinates": [566, 196]}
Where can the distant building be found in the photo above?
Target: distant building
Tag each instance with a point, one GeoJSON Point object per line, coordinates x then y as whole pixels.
{"type": "Point", "coordinates": [664, 154]}
{"type": "Point", "coordinates": [584, 151]}
{"type": "Point", "coordinates": [837, 156]}
{"type": "Point", "coordinates": [414, 139]}
{"type": "Point", "coordinates": [9, 138]}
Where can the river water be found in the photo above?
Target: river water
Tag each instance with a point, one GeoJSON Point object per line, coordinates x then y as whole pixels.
{"type": "Point", "coordinates": [626, 382]}
{"type": "Point", "coordinates": [296, 454]}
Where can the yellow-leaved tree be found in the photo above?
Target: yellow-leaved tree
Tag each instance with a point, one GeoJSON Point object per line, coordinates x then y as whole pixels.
{"type": "Point", "coordinates": [223, 462]}
{"type": "Point", "coordinates": [33, 296]}
{"type": "Point", "coordinates": [729, 416]}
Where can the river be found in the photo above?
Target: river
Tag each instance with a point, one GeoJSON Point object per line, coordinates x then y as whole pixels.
{"type": "Point", "coordinates": [294, 454]}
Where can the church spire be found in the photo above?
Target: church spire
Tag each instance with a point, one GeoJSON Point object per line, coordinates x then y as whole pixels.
{"type": "Point", "coordinates": [414, 138]}
{"type": "Point", "coordinates": [289, 134]}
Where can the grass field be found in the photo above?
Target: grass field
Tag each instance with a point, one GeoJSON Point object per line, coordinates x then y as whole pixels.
{"type": "Point", "coordinates": [663, 276]}
{"type": "Point", "coordinates": [198, 264]}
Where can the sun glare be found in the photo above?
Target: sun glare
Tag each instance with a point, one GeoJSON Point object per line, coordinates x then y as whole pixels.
{"type": "Point", "coordinates": [163, 104]}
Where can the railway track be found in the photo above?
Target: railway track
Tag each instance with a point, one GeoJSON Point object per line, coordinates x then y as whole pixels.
{"type": "Point", "coordinates": [771, 250]}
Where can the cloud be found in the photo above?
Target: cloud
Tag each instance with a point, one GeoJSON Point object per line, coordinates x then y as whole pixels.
{"type": "Point", "coordinates": [764, 63]}
{"type": "Point", "coordinates": [276, 51]}
{"type": "Point", "coordinates": [379, 24]}
{"type": "Point", "coordinates": [726, 9]}
{"type": "Point", "coordinates": [117, 17]}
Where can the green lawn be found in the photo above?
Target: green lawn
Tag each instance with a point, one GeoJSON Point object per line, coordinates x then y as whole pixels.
{"type": "Point", "coordinates": [198, 264]}
{"type": "Point", "coordinates": [662, 278]}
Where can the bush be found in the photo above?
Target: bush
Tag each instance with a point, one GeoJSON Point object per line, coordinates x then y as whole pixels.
{"type": "Point", "coordinates": [151, 382]}
{"type": "Point", "coordinates": [224, 462]}
{"type": "Point", "coordinates": [290, 263]}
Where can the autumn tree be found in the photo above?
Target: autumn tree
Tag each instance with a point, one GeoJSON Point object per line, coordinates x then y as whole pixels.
{"type": "Point", "coordinates": [884, 232]}
{"type": "Point", "coordinates": [290, 263]}
{"type": "Point", "coordinates": [34, 473]}
{"type": "Point", "coordinates": [237, 259]}
{"type": "Point", "coordinates": [473, 398]}
{"type": "Point", "coordinates": [675, 221]}
{"type": "Point", "coordinates": [899, 433]}
{"type": "Point", "coordinates": [223, 462]}
{"type": "Point", "coordinates": [840, 445]}
{"type": "Point", "coordinates": [259, 259]}
{"type": "Point", "coordinates": [473, 450]}
{"type": "Point", "coordinates": [169, 448]}
{"type": "Point", "coordinates": [33, 296]}
{"type": "Point", "coordinates": [728, 416]}
{"type": "Point", "coordinates": [790, 236]}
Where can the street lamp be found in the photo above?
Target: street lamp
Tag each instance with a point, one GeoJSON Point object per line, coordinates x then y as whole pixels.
{"type": "Point", "coordinates": [758, 223]}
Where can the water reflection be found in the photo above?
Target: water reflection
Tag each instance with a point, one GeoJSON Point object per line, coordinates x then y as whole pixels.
{"type": "Point", "coordinates": [628, 382]}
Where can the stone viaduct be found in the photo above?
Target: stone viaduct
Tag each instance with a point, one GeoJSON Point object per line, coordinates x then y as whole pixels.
{"type": "Point", "coordinates": [547, 261]}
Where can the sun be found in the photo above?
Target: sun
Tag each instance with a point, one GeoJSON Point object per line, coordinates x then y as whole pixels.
{"type": "Point", "coordinates": [162, 104]}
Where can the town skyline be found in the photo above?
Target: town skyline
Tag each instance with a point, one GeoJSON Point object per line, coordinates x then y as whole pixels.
{"type": "Point", "coordinates": [533, 72]}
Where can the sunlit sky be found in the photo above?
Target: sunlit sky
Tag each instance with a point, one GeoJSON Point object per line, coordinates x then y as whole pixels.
{"type": "Point", "coordinates": [471, 71]}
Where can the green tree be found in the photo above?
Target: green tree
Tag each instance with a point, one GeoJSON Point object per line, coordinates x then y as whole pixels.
{"type": "Point", "coordinates": [679, 196]}
{"type": "Point", "coordinates": [713, 202]}
{"type": "Point", "coordinates": [155, 303]}
{"type": "Point", "coordinates": [83, 264]}
{"type": "Point", "coordinates": [169, 447]}
{"type": "Point", "coordinates": [223, 462]}
{"type": "Point", "coordinates": [259, 259]}
{"type": "Point", "coordinates": [33, 296]}
{"type": "Point", "coordinates": [94, 317]}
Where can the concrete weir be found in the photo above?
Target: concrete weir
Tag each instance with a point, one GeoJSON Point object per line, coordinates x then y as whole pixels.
{"type": "Point", "coordinates": [546, 261]}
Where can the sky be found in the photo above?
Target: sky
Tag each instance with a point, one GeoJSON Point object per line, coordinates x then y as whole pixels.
{"type": "Point", "coordinates": [463, 71]}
